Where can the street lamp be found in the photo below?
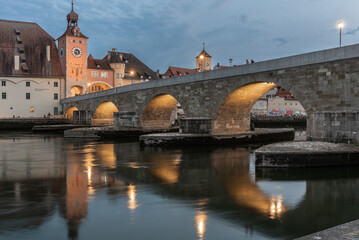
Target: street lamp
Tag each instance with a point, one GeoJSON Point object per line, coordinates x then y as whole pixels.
{"type": "Point", "coordinates": [340, 26]}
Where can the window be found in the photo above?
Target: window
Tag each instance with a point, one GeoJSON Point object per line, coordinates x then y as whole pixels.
{"type": "Point", "coordinates": [104, 75]}
{"type": "Point", "coordinates": [27, 84]}
{"type": "Point", "coordinates": [56, 96]}
{"type": "Point", "coordinates": [3, 83]}
{"type": "Point", "coordinates": [3, 95]}
{"type": "Point", "coordinates": [27, 95]}
{"type": "Point", "coordinates": [94, 74]}
{"type": "Point", "coordinates": [117, 75]}
{"type": "Point", "coordinates": [56, 111]}
{"type": "Point", "coordinates": [56, 84]}
{"type": "Point", "coordinates": [80, 41]}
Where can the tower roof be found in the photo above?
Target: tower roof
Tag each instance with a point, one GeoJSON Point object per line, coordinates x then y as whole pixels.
{"type": "Point", "coordinates": [204, 54]}
{"type": "Point", "coordinates": [72, 17]}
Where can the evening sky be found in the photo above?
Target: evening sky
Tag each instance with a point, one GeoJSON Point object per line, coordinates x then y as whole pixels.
{"type": "Point", "coordinates": [171, 32]}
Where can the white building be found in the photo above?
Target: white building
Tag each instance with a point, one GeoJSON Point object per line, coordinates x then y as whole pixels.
{"type": "Point", "coordinates": [31, 78]}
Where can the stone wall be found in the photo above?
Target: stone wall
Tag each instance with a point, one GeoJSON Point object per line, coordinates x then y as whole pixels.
{"type": "Point", "coordinates": [333, 126]}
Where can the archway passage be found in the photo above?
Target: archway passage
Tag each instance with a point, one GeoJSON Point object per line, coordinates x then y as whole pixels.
{"type": "Point", "coordinates": [69, 114]}
{"type": "Point", "coordinates": [76, 90]}
{"type": "Point", "coordinates": [233, 115]}
{"type": "Point", "coordinates": [96, 87]}
{"type": "Point", "coordinates": [103, 115]}
{"type": "Point", "coordinates": [160, 112]}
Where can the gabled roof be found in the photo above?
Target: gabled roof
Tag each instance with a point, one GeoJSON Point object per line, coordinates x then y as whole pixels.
{"type": "Point", "coordinates": [28, 41]}
{"type": "Point", "coordinates": [132, 64]}
{"type": "Point", "coordinates": [100, 64]}
{"type": "Point", "coordinates": [204, 53]}
{"type": "Point", "coordinates": [176, 71]}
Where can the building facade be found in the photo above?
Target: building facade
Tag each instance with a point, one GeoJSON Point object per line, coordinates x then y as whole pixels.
{"type": "Point", "coordinates": [73, 56]}
{"type": "Point", "coordinates": [100, 75]}
{"type": "Point", "coordinates": [32, 81]}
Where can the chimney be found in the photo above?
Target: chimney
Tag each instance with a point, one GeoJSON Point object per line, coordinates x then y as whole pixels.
{"type": "Point", "coordinates": [108, 56]}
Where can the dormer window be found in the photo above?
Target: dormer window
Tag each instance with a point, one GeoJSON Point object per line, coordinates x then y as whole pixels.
{"type": "Point", "coordinates": [18, 39]}
{"type": "Point", "coordinates": [17, 31]}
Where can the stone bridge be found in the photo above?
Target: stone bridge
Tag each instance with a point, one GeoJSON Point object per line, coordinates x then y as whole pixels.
{"type": "Point", "coordinates": [219, 102]}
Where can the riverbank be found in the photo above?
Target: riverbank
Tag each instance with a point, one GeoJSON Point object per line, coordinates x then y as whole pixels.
{"type": "Point", "coordinates": [29, 123]}
{"type": "Point", "coordinates": [306, 154]}
{"type": "Point", "coordinates": [348, 231]}
{"type": "Point", "coordinates": [264, 121]}
{"type": "Point", "coordinates": [260, 135]}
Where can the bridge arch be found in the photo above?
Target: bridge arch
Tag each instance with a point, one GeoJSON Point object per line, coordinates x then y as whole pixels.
{"type": "Point", "coordinates": [69, 113]}
{"type": "Point", "coordinates": [161, 112]}
{"type": "Point", "coordinates": [103, 115]}
{"type": "Point", "coordinates": [233, 114]}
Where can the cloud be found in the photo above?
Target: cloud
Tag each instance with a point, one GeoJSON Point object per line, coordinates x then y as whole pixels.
{"type": "Point", "coordinates": [281, 40]}
{"type": "Point", "coordinates": [352, 31]}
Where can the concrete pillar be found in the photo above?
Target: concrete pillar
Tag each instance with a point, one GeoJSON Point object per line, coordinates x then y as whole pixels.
{"type": "Point", "coordinates": [125, 119]}
{"type": "Point", "coordinates": [338, 126]}
{"type": "Point", "coordinates": [76, 117]}
{"type": "Point", "coordinates": [196, 125]}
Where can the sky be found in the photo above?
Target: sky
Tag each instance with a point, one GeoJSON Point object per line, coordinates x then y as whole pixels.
{"type": "Point", "coordinates": [164, 33]}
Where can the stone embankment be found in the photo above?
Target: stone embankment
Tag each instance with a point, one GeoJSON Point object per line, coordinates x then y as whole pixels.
{"type": "Point", "coordinates": [110, 132]}
{"type": "Point", "coordinates": [278, 121]}
{"type": "Point", "coordinates": [251, 137]}
{"type": "Point", "coordinates": [29, 123]}
{"type": "Point", "coordinates": [306, 154]}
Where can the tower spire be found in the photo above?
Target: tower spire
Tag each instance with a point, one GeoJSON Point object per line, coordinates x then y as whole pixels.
{"type": "Point", "coordinates": [203, 45]}
{"type": "Point", "coordinates": [72, 8]}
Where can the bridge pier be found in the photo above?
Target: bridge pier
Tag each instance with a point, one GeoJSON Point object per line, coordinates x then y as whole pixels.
{"type": "Point", "coordinates": [83, 117]}
{"type": "Point", "coordinates": [336, 126]}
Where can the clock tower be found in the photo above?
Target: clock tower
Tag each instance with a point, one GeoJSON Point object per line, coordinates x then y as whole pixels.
{"type": "Point", "coordinates": [72, 47]}
{"type": "Point", "coordinates": [203, 61]}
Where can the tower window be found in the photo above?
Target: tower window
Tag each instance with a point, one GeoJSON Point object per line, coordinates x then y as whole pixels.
{"type": "Point", "coordinates": [27, 95]}
{"type": "Point", "coordinates": [56, 96]}
{"type": "Point", "coordinates": [3, 83]}
{"type": "Point", "coordinates": [3, 95]}
{"type": "Point", "coordinates": [27, 84]}
{"type": "Point", "coordinates": [80, 41]}
{"type": "Point", "coordinates": [56, 84]}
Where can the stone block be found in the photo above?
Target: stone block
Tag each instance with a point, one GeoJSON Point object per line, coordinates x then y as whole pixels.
{"type": "Point", "coordinates": [196, 125]}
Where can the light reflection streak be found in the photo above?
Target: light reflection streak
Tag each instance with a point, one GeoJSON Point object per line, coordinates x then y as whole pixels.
{"type": "Point", "coordinates": [201, 223]}
{"type": "Point", "coordinates": [276, 207]}
{"type": "Point", "coordinates": [131, 197]}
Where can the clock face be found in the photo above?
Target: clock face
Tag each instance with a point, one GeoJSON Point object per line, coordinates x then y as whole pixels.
{"type": "Point", "coordinates": [207, 64]}
{"type": "Point", "coordinates": [77, 52]}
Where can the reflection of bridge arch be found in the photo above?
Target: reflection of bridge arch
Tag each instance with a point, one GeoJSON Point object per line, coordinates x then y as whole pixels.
{"type": "Point", "coordinates": [104, 114]}
{"type": "Point", "coordinates": [159, 112]}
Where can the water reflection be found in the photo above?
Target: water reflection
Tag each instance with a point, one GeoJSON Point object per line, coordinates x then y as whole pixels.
{"type": "Point", "coordinates": [131, 197]}
{"type": "Point", "coordinates": [72, 178]}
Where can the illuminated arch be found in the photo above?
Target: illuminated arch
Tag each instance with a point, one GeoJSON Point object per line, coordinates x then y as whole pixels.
{"type": "Point", "coordinates": [233, 115]}
{"type": "Point", "coordinates": [103, 115]}
{"type": "Point", "coordinates": [76, 90]}
{"type": "Point", "coordinates": [159, 112]}
{"type": "Point", "coordinates": [70, 112]}
{"type": "Point", "coordinates": [97, 86]}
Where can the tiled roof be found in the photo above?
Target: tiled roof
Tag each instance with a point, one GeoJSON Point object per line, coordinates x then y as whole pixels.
{"type": "Point", "coordinates": [70, 32]}
{"type": "Point", "coordinates": [29, 41]}
{"type": "Point", "coordinates": [97, 63]}
{"type": "Point", "coordinates": [132, 64]}
{"type": "Point", "coordinates": [176, 71]}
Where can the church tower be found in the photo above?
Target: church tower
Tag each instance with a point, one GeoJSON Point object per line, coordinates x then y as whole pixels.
{"type": "Point", "coordinates": [203, 61]}
{"type": "Point", "coordinates": [72, 47]}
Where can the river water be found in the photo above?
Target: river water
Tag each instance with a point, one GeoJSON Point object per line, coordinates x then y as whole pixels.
{"type": "Point", "coordinates": [56, 188]}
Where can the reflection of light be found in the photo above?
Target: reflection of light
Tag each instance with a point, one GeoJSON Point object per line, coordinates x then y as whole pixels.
{"type": "Point", "coordinates": [131, 197]}
{"type": "Point", "coordinates": [201, 223]}
{"type": "Point", "coordinates": [276, 207]}
{"type": "Point", "coordinates": [201, 57]}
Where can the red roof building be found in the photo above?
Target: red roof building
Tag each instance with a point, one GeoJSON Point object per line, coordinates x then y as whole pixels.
{"type": "Point", "coordinates": [176, 71]}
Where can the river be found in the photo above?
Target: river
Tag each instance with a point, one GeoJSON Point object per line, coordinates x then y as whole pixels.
{"type": "Point", "coordinates": [56, 188]}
